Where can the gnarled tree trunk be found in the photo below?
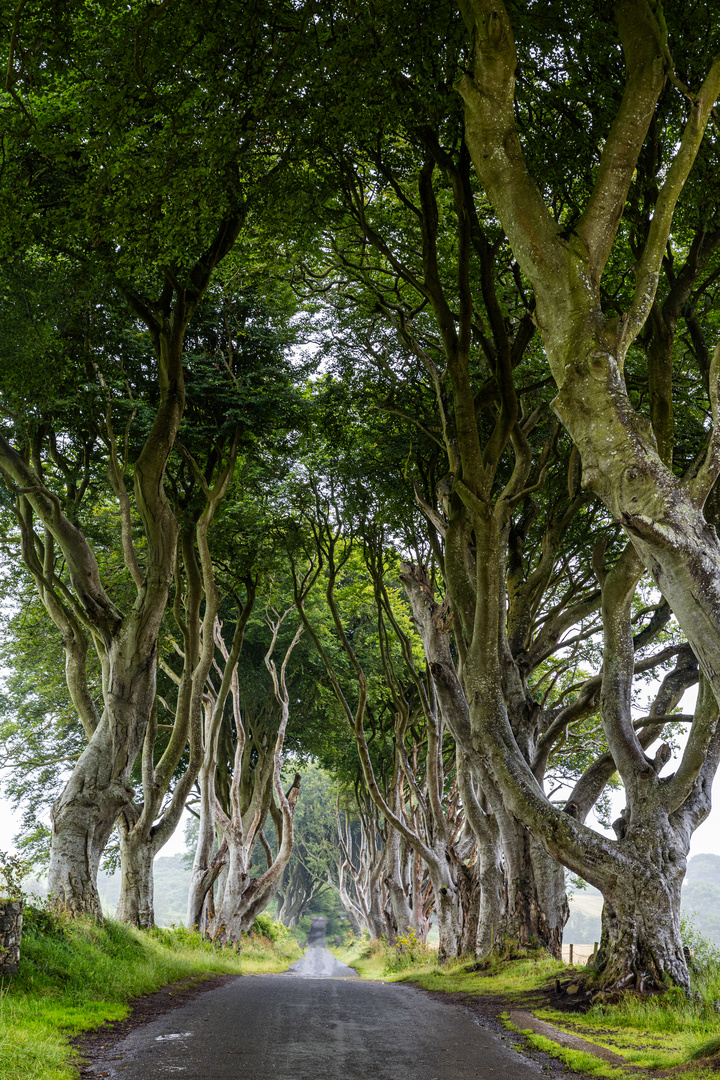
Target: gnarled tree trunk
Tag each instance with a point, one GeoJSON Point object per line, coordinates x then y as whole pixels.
{"type": "Point", "coordinates": [661, 513]}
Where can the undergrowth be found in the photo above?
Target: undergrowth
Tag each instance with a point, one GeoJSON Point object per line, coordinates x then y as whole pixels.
{"type": "Point", "coordinates": [376, 959]}
{"type": "Point", "coordinates": [658, 1032]}
{"type": "Point", "coordinates": [75, 975]}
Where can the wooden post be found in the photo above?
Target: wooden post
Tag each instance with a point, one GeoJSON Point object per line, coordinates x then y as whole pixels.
{"type": "Point", "coordinates": [571, 954]}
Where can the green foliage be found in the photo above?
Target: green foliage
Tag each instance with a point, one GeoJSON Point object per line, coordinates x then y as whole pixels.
{"type": "Point", "coordinates": [270, 929]}
{"type": "Point", "coordinates": [705, 953]}
{"type": "Point", "coordinates": [41, 920]}
{"type": "Point", "coordinates": [12, 871]}
{"type": "Point", "coordinates": [409, 952]}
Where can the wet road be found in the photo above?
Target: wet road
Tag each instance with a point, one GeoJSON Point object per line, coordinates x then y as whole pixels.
{"type": "Point", "coordinates": [318, 962]}
{"type": "Point", "coordinates": [290, 1027]}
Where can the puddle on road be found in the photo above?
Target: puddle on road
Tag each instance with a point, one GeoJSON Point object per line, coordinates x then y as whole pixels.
{"type": "Point", "coordinates": [174, 1035]}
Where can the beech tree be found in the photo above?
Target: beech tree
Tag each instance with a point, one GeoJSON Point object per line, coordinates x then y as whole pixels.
{"type": "Point", "coordinates": [316, 846]}
{"type": "Point", "coordinates": [622, 463]}
{"type": "Point", "coordinates": [131, 172]}
{"type": "Point", "coordinates": [401, 264]}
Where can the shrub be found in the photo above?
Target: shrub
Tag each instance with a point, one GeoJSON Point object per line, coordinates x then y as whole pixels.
{"type": "Point", "coordinates": [705, 955]}
{"type": "Point", "coordinates": [40, 919]}
{"type": "Point", "coordinates": [181, 937]}
{"type": "Point", "coordinates": [409, 951]}
{"type": "Point", "coordinates": [268, 928]}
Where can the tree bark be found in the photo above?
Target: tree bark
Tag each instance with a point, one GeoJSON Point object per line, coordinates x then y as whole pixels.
{"type": "Point", "coordinates": [83, 819]}
{"type": "Point", "coordinates": [641, 944]}
{"type": "Point", "coordinates": [403, 914]}
{"type": "Point", "coordinates": [244, 897]}
{"type": "Point", "coordinates": [136, 903]}
{"type": "Point", "coordinates": [535, 906]}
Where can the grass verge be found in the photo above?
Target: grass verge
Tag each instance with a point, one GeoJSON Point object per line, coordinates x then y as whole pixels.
{"type": "Point", "coordinates": [662, 1033]}
{"type": "Point", "coordinates": [75, 976]}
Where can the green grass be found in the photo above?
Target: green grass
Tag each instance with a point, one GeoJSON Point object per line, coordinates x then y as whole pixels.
{"type": "Point", "coordinates": [75, 976]}
{"type": "Point", "coordinates": [368, 958]}
{"type": "Point", "coordinates": [577, 1059]}
{"type": "Point", "coordinates": [651, 1033]}
{"type": "Point", "coordinates": [509, 978]}
{"type": "Point", "coordinates": [658, 1032]}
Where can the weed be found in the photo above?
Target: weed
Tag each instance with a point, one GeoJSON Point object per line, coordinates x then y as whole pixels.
{"type": "Point", "coordinates": [409, 951]}
{"type": "Point", "coordinates": [268, 928]}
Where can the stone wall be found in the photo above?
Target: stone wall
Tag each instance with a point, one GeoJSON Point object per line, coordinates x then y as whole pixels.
{"type": "Point", "coordinates": [10, 933]}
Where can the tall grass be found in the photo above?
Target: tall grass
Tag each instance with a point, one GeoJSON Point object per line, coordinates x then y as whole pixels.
{"type": "Point", "coordinates": [76, 975]}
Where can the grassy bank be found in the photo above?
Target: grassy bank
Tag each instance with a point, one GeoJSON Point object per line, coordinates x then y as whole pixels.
{"type": "Point", "coordinates": [74, 976]}
{"type": "Point", "coordinates": [657, 1033]}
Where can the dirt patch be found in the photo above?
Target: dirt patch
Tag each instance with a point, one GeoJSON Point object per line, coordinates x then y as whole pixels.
{"type": "Point", "coordinates": [97, 1047]}
{"type": "Point", "coordinates": [525, 1020]}
{"type": "Point", "coordinates": [490, 1006]}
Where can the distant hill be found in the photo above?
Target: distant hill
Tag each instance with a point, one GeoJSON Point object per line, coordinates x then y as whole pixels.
{"type": "Point", "coordinates": [701, 895]}
{"type": "Point", "coordinates": [703, 868]}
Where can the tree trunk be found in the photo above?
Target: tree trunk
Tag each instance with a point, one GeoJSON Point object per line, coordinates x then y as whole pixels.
{"type": "Point", "coordinates": [83, 817]}
{"type": "Point", "coordinates": [375, 900]}
{"type": "Point", "coordinates": [492, 895]}
{"type": "Point", "coordinates": [201, 876]}
{"type": "Point", "coordinates": [470, 886]}
{"type": "Point", "coordinates": [294, 894]}
{"type": "Point", "coordinates": [403, 915]}
{"type": "Point", "coordinates": [536, 907]}
{"type": "Point", "coordinates": [449, 915]}
{"type": "Point", "coordinates": [136, 900]}
{"type": "Point", "coordinates": [235, 913]}
{"type": "Point", "coordinates": [641, 939]}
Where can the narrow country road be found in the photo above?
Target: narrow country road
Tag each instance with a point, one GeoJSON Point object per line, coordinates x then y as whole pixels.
{"type": "Point", "coordinates": [317, 1022]}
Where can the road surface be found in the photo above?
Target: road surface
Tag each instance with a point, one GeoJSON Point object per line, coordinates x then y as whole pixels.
{"type": "Point", "coordinates": [306, 1025]}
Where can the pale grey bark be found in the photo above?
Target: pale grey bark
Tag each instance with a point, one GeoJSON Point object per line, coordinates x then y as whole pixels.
{"type": "Point", "coordinates": [148, 830]}
{"type": "Point", "coordinates": [534, 909]}
{"type": "Point", "coordinates": [661, 513]}
{"type": "Point", "coordinates": [398, 888]}
{"type": "Point", "coordinates": [136, 903]}
{"type": "Point", "coordinates": [490, 871]}
{"type": "Point", "coordinates": [295, 892]}
{"type": "Point", "coordinates": [244, 897]}
{"type": "Point", "coordinates": [205, 869]}
{"type": "Point", "coordinates": [127, 643]}
{"type": "Point", "coordinates": [362, 867]}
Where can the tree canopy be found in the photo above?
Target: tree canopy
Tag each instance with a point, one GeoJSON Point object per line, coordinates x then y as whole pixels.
{"type": "Point", "coordinates": [359, 415]}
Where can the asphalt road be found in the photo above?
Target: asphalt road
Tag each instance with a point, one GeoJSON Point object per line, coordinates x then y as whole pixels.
{"type": "Point", "coordinates": [318, 962]}
{"type": "Point", "coordinates": [295, 1027]}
